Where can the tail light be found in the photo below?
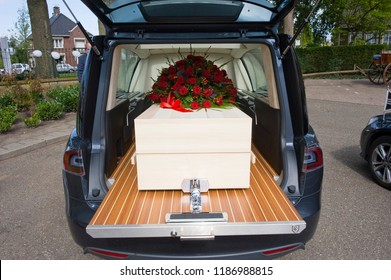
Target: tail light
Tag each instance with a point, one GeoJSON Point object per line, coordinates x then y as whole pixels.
{"type": "Point", "coordinates": [313, 158]}
{"type": "Point", "coordinates": [283, 249]}
{"type": "Point", "coordinates": [73, 162]}
{"type": "Point", "coordinates": [110, 254]}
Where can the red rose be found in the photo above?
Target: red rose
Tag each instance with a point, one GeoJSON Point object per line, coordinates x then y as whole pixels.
{"type": "Point", "coordinates": [175, 87]}
{"type": "Point", "coordinates": [163, 98]}
{"type": "Point", "coordinates": [154, 97]}
{"type": "Point", "coordinates": [197, 90]}
{"type": "Point", "coordinates": [232, 91]}
{"type": "Point", "coordinates": [199, 58]}
{"type": "Point", "coordinates": [206, 74]}
{"type": "Point", "coordinates": [180, 62]}
{"type": "Point", "coordinates": [232, 100]}
{"type": "Point", "coordinates": [206, 104]}
{"type": "Point", "coordinates": [218, 78]}
{"type": "Point", "coordinates": [192, 80]}
{"type": "Point", "coordinates": [163, 84]}
{"type": "Point", "coordinates": [183, 91]}
{"type": "Point", "coordinates": [181, 80]}
{"type": "Point", "coordinates": [190, 71]}
{"type": "Point", "coordinates": [172, 70]}
{"type": "Point", "coordinates": [194, 105]}
{"type": "Point", "coordinates": [207, 92]}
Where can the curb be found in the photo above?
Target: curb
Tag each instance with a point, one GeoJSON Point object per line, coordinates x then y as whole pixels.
{"type": "Point", "coordinates": [28, 148]}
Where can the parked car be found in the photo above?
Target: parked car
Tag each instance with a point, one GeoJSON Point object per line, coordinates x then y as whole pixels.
{"type": "Point", "coordinates": [375, 143]}
{"type": "Point", "coordinates": [110, 216]}
{"type": "Point", "coordinates": [20, 68]}
{"type": "Point", "coordinates": [65, 68]}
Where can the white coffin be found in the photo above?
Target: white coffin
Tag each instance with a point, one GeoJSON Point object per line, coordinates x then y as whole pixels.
{"type": "Point", "coordinates": [208, 144]}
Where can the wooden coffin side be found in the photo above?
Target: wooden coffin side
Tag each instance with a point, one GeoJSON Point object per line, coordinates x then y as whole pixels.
{"type": "Point", "coordinates": [167, 171]}
{"type": "Point", "coordinates": [167, 131]}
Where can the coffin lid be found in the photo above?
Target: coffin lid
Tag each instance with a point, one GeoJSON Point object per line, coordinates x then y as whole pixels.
{"type": "Point", "coordinates": [166, 15]}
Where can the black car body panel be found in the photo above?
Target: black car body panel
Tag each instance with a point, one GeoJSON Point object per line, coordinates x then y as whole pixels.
{"type": "Point", "coordinates": [377, 126]}
{"type": "Point", "coordinates": [130, 15]}
{"type": "Point", "coordinates": [375, 144]}
{"type": "Point", "coordinates": [282, 134]}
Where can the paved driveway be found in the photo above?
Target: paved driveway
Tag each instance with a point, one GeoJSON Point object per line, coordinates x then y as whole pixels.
{"type": "Point", "coordinates": [355, 221]}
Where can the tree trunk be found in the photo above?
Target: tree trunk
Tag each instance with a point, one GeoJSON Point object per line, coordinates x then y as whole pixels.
{"type": "Point", "coordinates": [42, 38]}
{"type": "Point", "coordinates": [288, 24]}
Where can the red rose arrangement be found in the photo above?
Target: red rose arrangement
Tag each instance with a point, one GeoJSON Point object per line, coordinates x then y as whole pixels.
{"type": "Point", "coordinates": [193, 82]}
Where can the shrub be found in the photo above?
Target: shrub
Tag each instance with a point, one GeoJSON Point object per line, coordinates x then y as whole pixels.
{"type": "Point", "coordinates": [6, 100]}
{"type": "Point", "coordinates": [22, 97]}
{"type": "Point", "coordinates": [33, 121]}
{"type": "Point", "coordinates": [7, 118]}
{"type": "Point", "coordinates": [67, 97]}
{"type": "Point", "coordinates": [54, 92]}
{"type": "Point", "coordinates": [48, 110]}
{"type": "Point", "coordinates": [36, 91]}
{"type": "Point", "coordinates": [335, 58]}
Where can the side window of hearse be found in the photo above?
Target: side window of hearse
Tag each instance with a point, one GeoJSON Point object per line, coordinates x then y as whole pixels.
{"type": "Point", "coordinates": [127, 64]}
{"type": "Point", "coordinates": [253, 63]}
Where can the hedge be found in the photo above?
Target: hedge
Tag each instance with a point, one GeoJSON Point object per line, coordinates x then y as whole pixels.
{"type": "Point", "coordinates": [336, 58]}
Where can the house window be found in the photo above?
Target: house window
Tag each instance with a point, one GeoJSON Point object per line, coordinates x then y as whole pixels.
{"type": "Point", "coordinates": [80, 43]}
{"type": "Point", "coordinates": [387, 38]}
{"type": "Point", "coordinates": [58, 43]}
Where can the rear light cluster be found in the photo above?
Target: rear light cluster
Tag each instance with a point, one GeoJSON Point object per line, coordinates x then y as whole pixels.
{"type": "Point", "coordinates": [313, 158]}
{"type": "Point", "coordinates": [73, 162]}
{"type": "Point", "coordinates": [282, 249]}
{"type": "Point", "coordinates": [108, 254]}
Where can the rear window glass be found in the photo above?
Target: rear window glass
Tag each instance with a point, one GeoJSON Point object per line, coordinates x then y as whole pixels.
{"type": "Point", "coordinates": [127, 65]}
{"type": "Point", "coordinates": [253, 63]}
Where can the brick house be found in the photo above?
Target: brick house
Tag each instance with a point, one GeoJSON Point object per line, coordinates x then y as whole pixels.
{"type": "Point", "coordinates": [67, 36]}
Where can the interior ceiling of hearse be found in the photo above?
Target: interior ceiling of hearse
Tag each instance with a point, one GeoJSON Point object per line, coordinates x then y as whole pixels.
{"type": "Point", "coordinates": [234, 50]}
{"type": "Point", "coordinates": [122, 15]}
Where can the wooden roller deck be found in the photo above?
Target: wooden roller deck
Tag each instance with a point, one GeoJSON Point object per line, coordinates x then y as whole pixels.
{"type": "Point", "coordinates": [126, 207]}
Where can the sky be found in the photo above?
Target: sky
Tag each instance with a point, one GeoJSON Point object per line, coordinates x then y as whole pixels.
{"type": "Point", "coordinates": [9, 14]}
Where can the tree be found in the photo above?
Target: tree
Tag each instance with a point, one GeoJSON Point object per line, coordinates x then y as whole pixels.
{"type": "Point", "coordinates": [318, 28]}
{"type": "Point", "coordinates": [20, 40]}
{"type": "Point", "coordinates": [288, 27]}
{"type": "Point", "coordinates": [357, 17]}
{"type": "Point", "coordinates": [42, 37]}
{"type": "Point", "coordinates": [346, 17]}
